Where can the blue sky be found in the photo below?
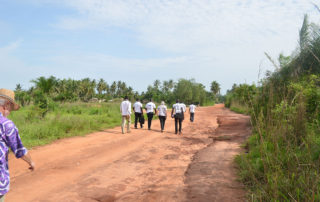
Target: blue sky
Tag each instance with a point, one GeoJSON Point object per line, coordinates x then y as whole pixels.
{"type": "Point", "coordinates": [141, 41]}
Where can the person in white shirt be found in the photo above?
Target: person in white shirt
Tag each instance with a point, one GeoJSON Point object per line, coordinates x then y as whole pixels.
{"type": "Point", "coordinates": [192, 109]}
{"type": "Point", "coordinates": [150, 106]}
{"type": "Point", "coordinates": [162, 113]}
{"type": "Point", "coordinates": [177, 114]}
{"type": "Point", "coordinates": [138, 113]}
{"type": "Point", "coordinates": [125, 109]}
{"type": "Point", "coordinates": [184, 107]}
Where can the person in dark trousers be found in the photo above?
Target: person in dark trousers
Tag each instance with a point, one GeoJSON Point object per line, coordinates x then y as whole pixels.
{"type": "Point", "coordinates": [192, 109]}
{"type": "Point", "coordinates": [150, 106]}
{"type": "Point", "coordinates": [177, 114]}
{"type": "Point", "coordinates": [162, 113]}
{"type": "Point", "coordinates": [138, 113]}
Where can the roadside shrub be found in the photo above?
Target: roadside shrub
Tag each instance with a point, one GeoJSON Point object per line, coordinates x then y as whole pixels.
{"type": "Point", "coordinates": [282, 163]}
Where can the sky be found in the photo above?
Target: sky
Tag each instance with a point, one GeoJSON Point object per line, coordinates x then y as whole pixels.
{"type": "Point", "coordinates": [139, 41]}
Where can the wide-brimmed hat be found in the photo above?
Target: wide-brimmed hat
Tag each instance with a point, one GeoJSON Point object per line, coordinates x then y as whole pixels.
{"type": "Point", "coordinates": [9, 95]}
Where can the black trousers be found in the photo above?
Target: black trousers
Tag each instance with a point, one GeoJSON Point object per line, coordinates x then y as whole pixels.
{"type": "Point", "coordinates": [176, 121]}
{"type": "Point", "coordinates": [150, 116]}
{"type": "Point", "coordinates": [191, 117]}
{"type": "Point", "coordinates": [137, 117]}
{"type": "Point", "coordinates": [162, 121]}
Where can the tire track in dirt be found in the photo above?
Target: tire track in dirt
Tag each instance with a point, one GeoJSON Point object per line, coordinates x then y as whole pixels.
{"type": "Point", "coordinates": [212, 176]}
{"type": "Point", "coordinates": [108, 166]}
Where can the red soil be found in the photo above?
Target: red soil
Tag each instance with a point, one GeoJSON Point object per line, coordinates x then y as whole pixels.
{"type": "Point", "coordinates": [140, 166]}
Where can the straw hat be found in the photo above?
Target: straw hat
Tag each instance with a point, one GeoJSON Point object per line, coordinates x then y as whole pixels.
{"type": "Point", "coordinates": [9, 95]}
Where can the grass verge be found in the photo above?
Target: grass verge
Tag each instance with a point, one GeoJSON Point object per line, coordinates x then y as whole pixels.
{"type": "Point", "coordinates": [64, 120]}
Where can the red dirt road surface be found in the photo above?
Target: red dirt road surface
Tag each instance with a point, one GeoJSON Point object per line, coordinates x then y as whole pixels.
{"type": "Point", "coordinates": [140, 166]}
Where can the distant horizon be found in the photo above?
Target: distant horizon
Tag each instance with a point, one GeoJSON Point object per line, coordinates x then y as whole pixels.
{"type": "Point", "coordinates": [138, 42]}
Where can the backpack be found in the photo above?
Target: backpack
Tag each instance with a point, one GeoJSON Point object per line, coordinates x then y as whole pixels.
{"type": "Point", "coordinates": [142, 120]}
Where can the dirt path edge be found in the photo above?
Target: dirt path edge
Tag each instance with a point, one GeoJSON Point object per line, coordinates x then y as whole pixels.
{"type": "Point", "coordinates": [212, 175]}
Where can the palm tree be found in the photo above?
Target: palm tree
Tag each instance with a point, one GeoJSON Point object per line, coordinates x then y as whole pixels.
{"type": "Point", "coordinates": [45, 85]}
{"type": "Point", "coordinates": [304, 35]}
{"type": "Point", "coordinates": [113, 89]}
{"type": "Point", "coordinates": [215, 88]}
{"type": "Point", "coordinates": [87, 89]}
{"type": "Point", "coordinates": [171, 84]}
{"type": "Point", "coordinates": [18, 87]}
{"type": "Point", "coordinates": [156, 84]}
{"type": "Point", "coordinates": [101, 86]}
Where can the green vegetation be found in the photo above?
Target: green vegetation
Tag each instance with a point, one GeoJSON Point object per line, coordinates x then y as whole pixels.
{"type": "Point", "coordinates": [54, 108]}
{"type": "Point", "coordinates": [283, 159]}
{"type": "Point", "coordinates": [187, 91]}
{"type": "Point", "coordinates": [64, 120]}
{"type": "Point", "coordinates": [49, 90]}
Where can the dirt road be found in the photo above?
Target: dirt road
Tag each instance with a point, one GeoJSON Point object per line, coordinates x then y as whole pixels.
{"type": "Point", "coordinates": [140, 166]}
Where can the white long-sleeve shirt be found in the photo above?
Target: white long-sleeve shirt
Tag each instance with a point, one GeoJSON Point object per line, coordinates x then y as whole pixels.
{"type": "Point", "coordinates": [125, 108]}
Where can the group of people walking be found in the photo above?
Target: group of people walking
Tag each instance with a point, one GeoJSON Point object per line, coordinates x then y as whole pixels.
{"type": "Point", "coordinates": [178, 111]}
{"type": "Point", "coordinates": [10, 138]}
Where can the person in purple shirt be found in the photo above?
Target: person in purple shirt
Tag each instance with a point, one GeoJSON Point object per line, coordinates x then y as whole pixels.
{"type": "Point", "coordinates": [9, 138]}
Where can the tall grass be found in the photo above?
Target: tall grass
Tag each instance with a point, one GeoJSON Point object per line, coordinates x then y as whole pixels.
{"type": "Point", "coordinates": [283, 161]}
{"type": "Point", "coordinates": [236, 107]}
{"type": "Point", "coordinates": [64, 120]}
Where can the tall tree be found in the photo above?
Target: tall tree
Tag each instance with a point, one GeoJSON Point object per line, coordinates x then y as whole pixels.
{"type": "Point", "coordinates": [101, 86]}
{"type": "Point", "coordinates": [156, 84]}
{"type": "Point", "coordinates": [113, 89]}
{"type": "Point", "coordinates": [215, 88]}
{"type": "Point", "coordinates": [87, 89]}
{"type": "Point", "coordinates": [304, 37]}
{"type": "Point", "coordinates": [45, 85]}
{"type": "Point", "coordinates": [18, 87]}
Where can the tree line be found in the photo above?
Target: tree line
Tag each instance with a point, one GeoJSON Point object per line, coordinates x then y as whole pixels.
{"type": "Point", "coordinates": [52, 89]}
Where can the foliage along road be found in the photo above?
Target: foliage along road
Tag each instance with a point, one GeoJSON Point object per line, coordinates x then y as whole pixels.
{"type": "Point", "coordinates": [140, 166]}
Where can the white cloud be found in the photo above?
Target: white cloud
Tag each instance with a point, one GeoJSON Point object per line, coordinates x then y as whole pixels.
{"type": "Point", "coordinates": [190, 26]}
{"type": "Point", "coordinates": [222, 40]}
{"type": "Point", "coordinates": [193, 26]}
{"type": "Point", "coordinates": [5, 50]}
